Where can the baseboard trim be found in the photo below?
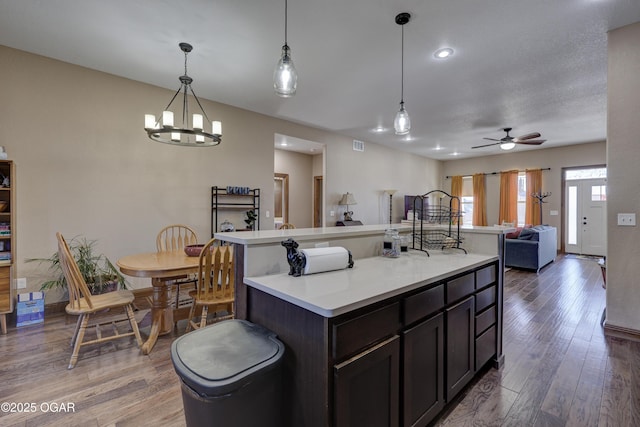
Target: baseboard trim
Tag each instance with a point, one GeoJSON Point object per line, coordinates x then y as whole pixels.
{"type": "Point", "coordinates": [620, 332]}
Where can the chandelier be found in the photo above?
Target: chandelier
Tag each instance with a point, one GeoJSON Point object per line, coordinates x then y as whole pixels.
{"type": "Point", "coordinates": [162, 128]}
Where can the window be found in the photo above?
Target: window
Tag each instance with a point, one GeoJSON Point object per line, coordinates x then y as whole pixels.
{"type": "Point", "coordinates": [598, 193]}
{"type": "Point", "coordinates": [466, 201]}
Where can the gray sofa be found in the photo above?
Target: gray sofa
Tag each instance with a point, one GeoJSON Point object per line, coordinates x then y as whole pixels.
{"type": "Point", "coordinates": [533, 248]}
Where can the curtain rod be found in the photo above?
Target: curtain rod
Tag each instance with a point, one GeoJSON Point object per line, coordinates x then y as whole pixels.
{"type": "Point", "coordinates": [496, 173]}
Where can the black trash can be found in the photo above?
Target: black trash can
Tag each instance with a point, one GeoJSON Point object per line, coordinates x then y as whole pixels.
{"type": "Point", "coordinates": [231, 375]}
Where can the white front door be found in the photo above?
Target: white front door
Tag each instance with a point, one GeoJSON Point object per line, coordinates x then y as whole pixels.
{"type": "Point", "coordinates": [586, 217]}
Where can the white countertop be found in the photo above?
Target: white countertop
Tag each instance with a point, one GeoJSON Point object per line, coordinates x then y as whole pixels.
{"type": "Point", "coordinates": [301, 234]}
{"type": "Point", "coordinates": [370, 280]}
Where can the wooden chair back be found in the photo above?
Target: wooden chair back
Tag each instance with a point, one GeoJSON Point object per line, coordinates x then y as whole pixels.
{"type": "Point", "coordinates": [286, 226]}
{"type": "Point", "coordinates": [175, 237]}
{"type": "Point", "coordinates": [215, 273]}
{"type": "Point", "coordinates": [76, 285]}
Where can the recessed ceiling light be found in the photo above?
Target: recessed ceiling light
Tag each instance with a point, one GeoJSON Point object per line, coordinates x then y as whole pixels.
{"type": "Point", "coordinates": [443, 53]}
{"type": "Point", "coordinates": [438, 148]}
{"type": "Point", "coordinates": [379, 129]}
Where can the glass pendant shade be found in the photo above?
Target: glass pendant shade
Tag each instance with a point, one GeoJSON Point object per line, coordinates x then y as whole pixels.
{"type": "Point", "coordinates": [508, 145]}
{"type": "Point", "coordinates": [285, 76]}
{"type": "Point", "coordinates": [402, 122]}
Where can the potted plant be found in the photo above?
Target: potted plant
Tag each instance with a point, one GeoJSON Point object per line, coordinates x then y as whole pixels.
{"type": "Point", "coordinates": [251, 219]}
{"type": "Point", "coordinates": [97, 270]}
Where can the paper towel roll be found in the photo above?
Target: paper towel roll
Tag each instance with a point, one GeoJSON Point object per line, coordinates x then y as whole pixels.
{"type": "Point", "coordinates": [325, 259]}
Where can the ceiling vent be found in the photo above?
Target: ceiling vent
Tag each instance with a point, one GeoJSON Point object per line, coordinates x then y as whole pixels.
{"type": "Point", "coordinates": [358, 145]}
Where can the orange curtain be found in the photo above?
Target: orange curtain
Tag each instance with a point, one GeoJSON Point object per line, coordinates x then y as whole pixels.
{"type": "Point", "coordinates": [456, 191]}
{"type": "Point", "coordinates": [508, 197]}
{"type": "Point", "coordinates": [479, 200]}
{"type": "Point", "coordinates": [532, 207]}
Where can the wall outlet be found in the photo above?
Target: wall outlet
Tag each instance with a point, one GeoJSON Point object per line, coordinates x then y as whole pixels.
{"type": "Point", "coordinates": [267, 214]}
{"type": "Point", "coordinates": [21, 283]}
{"type": "Point", "coordinates": [627, 219]}
{"type": "Point", "coordinates": [332, 213]}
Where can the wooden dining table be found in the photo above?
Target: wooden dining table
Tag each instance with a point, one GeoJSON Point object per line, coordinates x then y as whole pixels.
{"type": "Point", "coordinates": [161, 267]}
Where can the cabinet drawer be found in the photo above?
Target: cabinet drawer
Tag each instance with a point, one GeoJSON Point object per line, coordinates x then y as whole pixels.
{"type": "Point", "coordinates": [360, 332]}
{"type": "Point", "coordinates": [485, 276]}
{"type": "Point", "coordinates": [423, 304]}
{"type": "Point", "coordinates": [485, 347]}
{"type": "Point", "coordinates": [460, 287]}
{"type": "Point", "coordinates": [5, 272]}
{"type": "Point", "coordinates": [484, 320]}
{"type": "Point", "coordinates": [485, 298]}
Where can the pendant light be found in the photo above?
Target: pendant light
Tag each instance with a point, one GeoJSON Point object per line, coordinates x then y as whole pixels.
{"type": "Point", "coordinates": [285, 76]}
{"type": "Point", "coordinates": [402, 122]}
{"type": "Point", "coordinates": [162, 129]}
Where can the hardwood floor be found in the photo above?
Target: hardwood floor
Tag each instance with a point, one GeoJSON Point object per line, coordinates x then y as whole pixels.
{"type": "Point", "coordinates": [560, 369]}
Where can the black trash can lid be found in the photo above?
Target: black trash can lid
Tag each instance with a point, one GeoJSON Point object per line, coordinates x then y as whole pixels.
{"type": "Point", "coordinates": [221, 358]}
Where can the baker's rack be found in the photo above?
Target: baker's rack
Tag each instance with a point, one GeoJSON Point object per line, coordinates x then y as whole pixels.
{"type": "Point", "coordinates": [436, 223]}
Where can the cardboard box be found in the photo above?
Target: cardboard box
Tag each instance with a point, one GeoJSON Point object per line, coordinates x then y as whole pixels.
{"type": "Point", "coordinates": [30, 309]}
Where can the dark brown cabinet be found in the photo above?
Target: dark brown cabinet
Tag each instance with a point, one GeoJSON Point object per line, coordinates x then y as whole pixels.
{"type": "Point", "coordinates": [460, 347]}
{"type": "Point", "coordinates": [394, 362]}
{"type": "Point", "coordinates": [423, 378]}
{"type": "Point", "coordinates": [367, 387]}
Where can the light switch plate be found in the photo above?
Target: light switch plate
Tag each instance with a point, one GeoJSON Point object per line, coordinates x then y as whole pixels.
{"type": "Point", "coordinates": [627, 219]}
{"type": "Point", "coordinates": [21, 283]}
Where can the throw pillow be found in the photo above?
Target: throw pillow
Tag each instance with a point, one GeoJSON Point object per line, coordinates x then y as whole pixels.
{"type": "Point", "coordinates": [526, 234]}
{"type": "Point", "coordinates": [514, 234]}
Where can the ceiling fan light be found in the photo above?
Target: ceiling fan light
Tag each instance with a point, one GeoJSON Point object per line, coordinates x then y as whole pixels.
{"type": "Point", "coordinates": [508, 145]}
{"type": "Point", "coordinates": [402, 122]}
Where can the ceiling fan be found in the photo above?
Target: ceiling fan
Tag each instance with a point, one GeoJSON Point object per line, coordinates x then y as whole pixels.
{"type": "Point", "coordinates": [508, 142]}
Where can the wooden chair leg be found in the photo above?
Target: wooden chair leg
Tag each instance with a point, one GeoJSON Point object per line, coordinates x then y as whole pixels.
{"type": "Point", "coordinates": [74, 337]}
{"type": "Point", "coordinates": [78, 340]}
{"type": "Point", "coordinates": [134, 325]}
{"type": "Point", "coordinates": [192, 313]}
{"type": "Point", "coordinates": [203, 318]}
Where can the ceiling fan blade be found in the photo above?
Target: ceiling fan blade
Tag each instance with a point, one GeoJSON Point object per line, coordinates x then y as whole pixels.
{"type": "Point", "coordinates": [487, 145]}
{"type": "Point", "coordinates": [527, 136]}
{"type": "Point", "coordinates": [531, 142]}
{"type": "Point", "coordinates": [492, 139]}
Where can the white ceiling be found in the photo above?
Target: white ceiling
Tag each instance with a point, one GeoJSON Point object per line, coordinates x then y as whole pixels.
{"type": "Point", "coordinates": [531, 65]}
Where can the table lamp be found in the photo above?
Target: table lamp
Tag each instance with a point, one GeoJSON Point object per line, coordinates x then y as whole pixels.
{"type": "Point", "coordinates": [346, 200]}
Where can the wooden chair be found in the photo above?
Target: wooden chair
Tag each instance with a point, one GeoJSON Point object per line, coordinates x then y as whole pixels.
{"type": "Point", "coordinates": [215, 288]}
{"type": "Point", "coordinates": [286, 226]}
{"type": "Point", "coordinates": [84, 305]}
{"type": "Point", "coordinates": [174, 238]}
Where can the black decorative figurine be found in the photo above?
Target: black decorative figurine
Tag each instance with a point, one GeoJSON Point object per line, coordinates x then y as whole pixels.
{"type": "Point", "coordinates": [297, 260]}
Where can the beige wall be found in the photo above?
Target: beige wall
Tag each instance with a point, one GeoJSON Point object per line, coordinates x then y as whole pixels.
{"type": "Point", "coordinates": [299, 167]}
{"type": "Point", "coordinates": [554, 158]}
{"type": "Point", "coordinates": [85, 165]}
{"type": "Point", "coordinates": [623, 154]}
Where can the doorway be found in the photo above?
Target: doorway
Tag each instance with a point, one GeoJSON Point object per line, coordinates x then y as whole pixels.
{"type": "Point", "coordinates": [280, 199]}
{"type": "Point", "coordinates": [318, 183]}
{"type": "Point", "coordinates": [585, 201]}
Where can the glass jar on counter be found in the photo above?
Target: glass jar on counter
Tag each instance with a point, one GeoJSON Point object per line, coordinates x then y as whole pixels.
{"type": "Point", "coordinates": [391, 243]}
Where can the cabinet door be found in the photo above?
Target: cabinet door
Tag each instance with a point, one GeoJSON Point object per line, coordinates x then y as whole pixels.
{"type": "Point", "coordinates": [460, 336]}
{"type": "Point", "coordinates": [423, 375]}
{"type": "Point", "coordinates": [366, 387]}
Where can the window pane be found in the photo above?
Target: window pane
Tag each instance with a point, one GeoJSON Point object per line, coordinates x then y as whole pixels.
{"type": "Point", "coordinates": [467, 210]}
{"type": "Point", "coordinates": [572, 216]}
{"type": "Point", "coordinates": [586, 173]}
{"type": "Point", "coordinates": [598, 193]}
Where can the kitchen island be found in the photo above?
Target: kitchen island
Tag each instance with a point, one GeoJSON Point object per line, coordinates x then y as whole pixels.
{"type": "Point", "coordinates": [388, 342]}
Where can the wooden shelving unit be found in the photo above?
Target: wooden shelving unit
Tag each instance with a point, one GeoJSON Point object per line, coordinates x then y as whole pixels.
{"type": "Point", "coordinates": [7, 239]}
